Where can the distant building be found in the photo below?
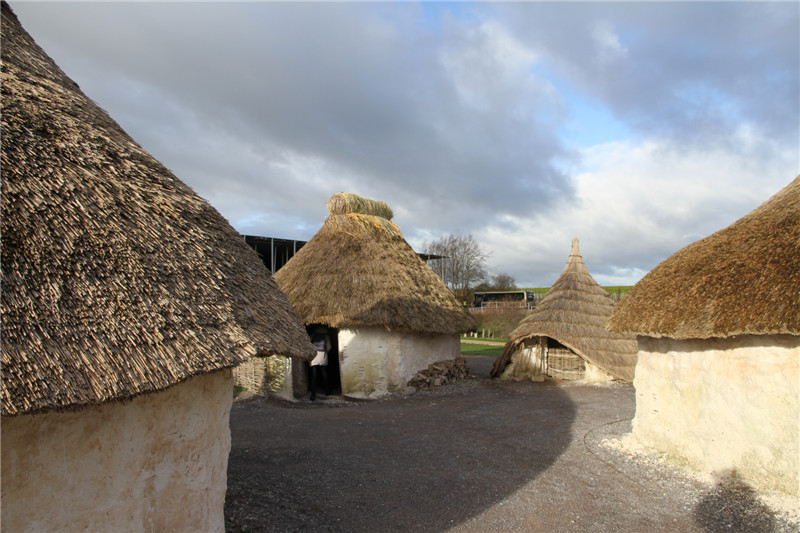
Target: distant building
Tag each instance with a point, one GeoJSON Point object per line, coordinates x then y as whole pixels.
{"type": "Point", "coordinates": [273, 252]}
{"type": "Point", "coordinates": [504, 300]}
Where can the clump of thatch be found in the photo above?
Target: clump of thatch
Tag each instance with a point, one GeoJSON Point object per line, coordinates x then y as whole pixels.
{"type": "Point", "coordinates": [344, 203]}
{"type": "Point", "coordinates": [574, 313]}
{"type": "Point", "coordinates": [118, 280]}
{"type": "Point", "coordinates": [741, 280]}
{"type": "Point", "coordinates": [358, 270]}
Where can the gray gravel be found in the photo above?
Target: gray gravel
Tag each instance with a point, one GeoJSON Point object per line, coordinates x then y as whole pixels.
{"type": "Point", "coordinates": [479, 455]}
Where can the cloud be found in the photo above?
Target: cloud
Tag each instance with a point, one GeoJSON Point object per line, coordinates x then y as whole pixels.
{"type": "Point", "coordinates": [636, 204]}
{"type": "Point", "coordinates": [684, 71]}
{"type": "Point", "coordinates": [636, 126]}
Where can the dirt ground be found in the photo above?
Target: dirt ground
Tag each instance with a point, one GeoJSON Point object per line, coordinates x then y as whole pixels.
{"type": "Point", "coordinates": [479, 455]}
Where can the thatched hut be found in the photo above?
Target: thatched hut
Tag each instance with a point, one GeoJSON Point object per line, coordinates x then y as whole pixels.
{"type": "Point", "coordinates": [126, 300]}
{"type": "Point", "coordinates": [389, 314]}
{"type": "Point", "coordinates": [718, 325]}
{"type": "Point", "coordinates": [565, 336]}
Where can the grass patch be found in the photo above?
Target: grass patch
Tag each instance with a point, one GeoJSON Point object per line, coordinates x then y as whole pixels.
{"type": "Point", "coordinates": [501, 340]}
{"type": "Point", "coordinates": [481, 349]}
{"type": "Point", "coordinates": [619, 290]}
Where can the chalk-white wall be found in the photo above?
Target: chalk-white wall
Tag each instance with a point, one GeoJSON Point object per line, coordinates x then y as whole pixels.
{"type": "Point", "coordinates": [374, 361]}
{"type": "Point", "coordinates": [723, 404]}
{"type": "Point", "coordinates": [154, 463]}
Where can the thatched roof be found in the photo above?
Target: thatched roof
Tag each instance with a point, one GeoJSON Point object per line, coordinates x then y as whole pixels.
{"type": "Point", "coordinates": [741, 280]}
{"type": "Point", "coordinates": [574, 313]}
{"type": "Point", "coordinates": [118, 279]}
{"type": "Point", "coordinates": [358, 270]}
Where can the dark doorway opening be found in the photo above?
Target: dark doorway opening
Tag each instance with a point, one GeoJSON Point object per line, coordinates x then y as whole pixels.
{"type": "Point", "coordinates": [333, 371]}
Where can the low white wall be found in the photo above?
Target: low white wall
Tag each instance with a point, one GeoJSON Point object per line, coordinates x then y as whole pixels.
{"type": "Point", "coordinates": [268, 376]}
{"type": "Point", "coordinates": [723, 404]}
{"type": "Point", "coordinates": [374, 361]}
{"type": "Point", "coordinates": [155, 463]}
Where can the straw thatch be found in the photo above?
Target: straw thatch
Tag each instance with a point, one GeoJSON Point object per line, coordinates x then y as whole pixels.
{"type": "Point", "coordinates": [118, 279]}
{"type": "Point", "coordinates": [343, 203]}
{"type": "Point", "coordinates": [743, 279]}
{"type": "Point", "coordinates": [574, 313]}
{"type": "Point", "coordinates": [358, 270]}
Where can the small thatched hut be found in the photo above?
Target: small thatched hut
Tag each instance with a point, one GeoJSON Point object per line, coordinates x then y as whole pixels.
{"type": "Point", "coordinates": [718, 323]}
{"type": "Point", "coordinates": [565, 336]}
{"type": "Point", "coordinates": [126, 300]}
{"type": "Point", "coordinates": [389, 314]}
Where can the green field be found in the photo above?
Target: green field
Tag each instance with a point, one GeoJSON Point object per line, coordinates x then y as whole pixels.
{"type": "Point", "coordinates": [481, 349]}
{"type": "Point", "coordinates": [613, 289]}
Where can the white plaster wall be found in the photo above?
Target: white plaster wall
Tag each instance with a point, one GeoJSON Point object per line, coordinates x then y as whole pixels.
{"type": "Point", "coordinates": [723, 404]}
{"type": "Point", "coordinates": [154, 463]}
{"type": "Point", "coordinates": [374, 361]}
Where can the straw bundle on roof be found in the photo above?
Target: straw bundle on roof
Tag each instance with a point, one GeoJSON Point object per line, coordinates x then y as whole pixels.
{"type": "Point", "coordinates": [743, 279]}
{"type": "Point", "coordinates": [574, 313]}
{"type": "Point", "coordinates": [343, 203]}
{"type": "Point", "coordinates": [358, 270]}
{"type": "Point", "coordinates": [118, 279]}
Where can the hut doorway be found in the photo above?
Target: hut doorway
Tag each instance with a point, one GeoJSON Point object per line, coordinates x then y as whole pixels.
{"type": "Point", "coordinates": [332, 371]}
{"type": "Point", "coordinates": [563, 363]}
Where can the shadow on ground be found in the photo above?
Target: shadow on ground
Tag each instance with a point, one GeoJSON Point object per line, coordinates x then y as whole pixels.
{"type": "Point", "coordinates": [426, 462]}
{"type": "Point", "coordinates": [731, 505]}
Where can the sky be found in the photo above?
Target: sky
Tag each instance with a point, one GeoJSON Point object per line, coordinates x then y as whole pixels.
{"type": "Point", "coordinates": [638, 127]}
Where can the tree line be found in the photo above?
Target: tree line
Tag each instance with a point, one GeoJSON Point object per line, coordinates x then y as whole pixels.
{"type": "Point", "coordinates": [463, 266]}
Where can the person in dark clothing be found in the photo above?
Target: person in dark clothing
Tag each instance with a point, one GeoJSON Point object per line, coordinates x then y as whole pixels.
{"type": "Point", "coordinates": [319, 365]}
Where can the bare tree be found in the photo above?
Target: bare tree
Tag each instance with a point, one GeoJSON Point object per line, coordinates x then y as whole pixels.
{"type": "Point", "coordinates": [496, 282]}
{"type": "Point", "coordinates": [460, 264]}
{"type": "Point", "coordinates": [502, 282]}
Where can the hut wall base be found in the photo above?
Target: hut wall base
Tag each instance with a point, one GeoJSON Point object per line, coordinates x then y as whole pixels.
{"type": "Point", "coordinates": [375, 362]}
{"type": "Point", "coordinates": [154, 463]}
{"type": "Point", "coordinates": [718, 405]}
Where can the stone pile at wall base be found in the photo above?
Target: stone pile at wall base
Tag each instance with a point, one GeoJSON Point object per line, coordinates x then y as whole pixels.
{"type": "Point", "coordinates": [440, 373]}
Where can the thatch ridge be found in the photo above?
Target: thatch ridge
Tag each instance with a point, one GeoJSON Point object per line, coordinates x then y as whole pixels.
{"type": "Point", "coordinates": [344, 203]}
{"type": "Point", "coordinates": [118, 280]}
{"type": "Point", "coordinates": [574, 313]}
{"type": "Point", "coordinates": [358, 270]}
{"type": "Point", "coordinates": [742, 280]}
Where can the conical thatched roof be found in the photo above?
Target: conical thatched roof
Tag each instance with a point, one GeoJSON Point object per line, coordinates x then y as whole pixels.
{"type": "Point", "coordinates": [358, 270]}
{"type": "Point", "coordinates": [118, 280]}
{"type": "Point", "coordinates": [574, 313]}
{"type": "Point", "coordinates": [743, 279]}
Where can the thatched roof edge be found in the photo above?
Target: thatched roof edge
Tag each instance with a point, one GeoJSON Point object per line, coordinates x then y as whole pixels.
{"type": "Point", "coordinates": [741, 280]}
{"type": "Point", "coordinates": [118, 280]}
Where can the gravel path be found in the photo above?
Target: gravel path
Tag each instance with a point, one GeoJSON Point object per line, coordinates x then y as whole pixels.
{"type": "Point", "coordinates": [479, 455]}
